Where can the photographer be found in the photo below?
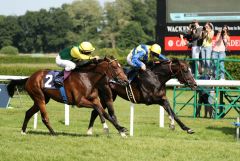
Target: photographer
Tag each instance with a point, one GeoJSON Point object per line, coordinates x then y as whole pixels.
{"type": "Point", "coordinates": [193, 36]}
{"type": "Point", "coordinates": [206, 50]}
{"type": "Point", "coordinates": [219, 52]}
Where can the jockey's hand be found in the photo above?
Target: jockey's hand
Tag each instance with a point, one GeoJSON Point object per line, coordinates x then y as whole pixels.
{"type": "Point", "coordinates": [96, 57]}
{"type": "Point", "coordinates": [143, 67]}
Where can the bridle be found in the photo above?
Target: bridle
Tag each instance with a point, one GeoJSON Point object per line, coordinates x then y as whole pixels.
{"type": "Point", "coordinates": [114, 75]}
{"type": "Point", "coordinates": [177, 72]}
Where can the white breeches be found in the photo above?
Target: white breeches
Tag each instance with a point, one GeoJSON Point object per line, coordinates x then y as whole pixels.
{"type": "Point", "coordinates": [66, 64]}
{"type": "Point", "coordinates": [129, 59]}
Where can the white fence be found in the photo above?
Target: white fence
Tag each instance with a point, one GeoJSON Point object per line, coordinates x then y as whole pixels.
{"type": "Point", "coordinates": [10, 77]}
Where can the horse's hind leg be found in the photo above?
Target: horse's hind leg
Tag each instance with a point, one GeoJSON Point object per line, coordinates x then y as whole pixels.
{"type": "Point", "coordinates": [34, 109]}
{"type": "Point", "coordinates": [94, 115]}
{"type": "Point", "coordinates": [45, 118]}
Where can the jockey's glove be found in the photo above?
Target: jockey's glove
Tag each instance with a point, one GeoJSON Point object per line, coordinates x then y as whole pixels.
{"type": "Point", "coordinates": [143, 67]}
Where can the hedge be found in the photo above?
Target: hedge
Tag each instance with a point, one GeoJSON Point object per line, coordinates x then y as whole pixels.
{"type": "Point", "coordinates": [10, 50]}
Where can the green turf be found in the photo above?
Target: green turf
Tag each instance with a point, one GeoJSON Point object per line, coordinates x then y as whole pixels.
{"type": "Point", "coordinates": [214, 140]}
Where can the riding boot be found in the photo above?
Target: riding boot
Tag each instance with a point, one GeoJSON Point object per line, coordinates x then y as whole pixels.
{"type": "Point", "coordinates": [132, 74]}
{"type": "Point", "coordinates": [58, 81]}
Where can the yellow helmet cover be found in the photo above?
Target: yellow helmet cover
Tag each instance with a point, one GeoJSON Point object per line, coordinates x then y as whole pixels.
{"type": "Point", "coordinates": [86, 47]}
{"type": "Point", "coordinates": [156, 49]}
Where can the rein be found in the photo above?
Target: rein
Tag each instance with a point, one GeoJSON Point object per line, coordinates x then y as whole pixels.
{"type": "Point", "coordinates": [182, 74]}
{"type": "Point", "coordinates": [115, 75]}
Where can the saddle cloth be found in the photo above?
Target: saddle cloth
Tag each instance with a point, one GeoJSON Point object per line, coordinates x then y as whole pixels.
{"type": "Point", "coordinates": [50, 76]}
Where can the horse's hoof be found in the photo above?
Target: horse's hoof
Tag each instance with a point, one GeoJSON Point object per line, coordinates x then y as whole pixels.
{"type": "Point", "coordinates": [106, 130]}
{"type": "Point", "coordinates": [172, 127]}
{"type": "Point", "coordinates": [190, 131]}
{"type": "Point", "coordinates": [124, 129]}
{"type": "Point", "coordinates": [23, 133]}
{"type": "Point", "coordinates": [90, 132]}
{"type": "Point", "coordinates": [123, 134]}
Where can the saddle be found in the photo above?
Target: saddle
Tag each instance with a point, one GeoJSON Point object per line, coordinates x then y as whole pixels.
{"type": "Point", "coordinates": [131, 73]}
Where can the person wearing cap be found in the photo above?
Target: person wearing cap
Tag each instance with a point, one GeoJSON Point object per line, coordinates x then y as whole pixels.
{"type": "Point", "coordinates": [68, 56]}
{"type": "Point", "coordinates": [143, 53]}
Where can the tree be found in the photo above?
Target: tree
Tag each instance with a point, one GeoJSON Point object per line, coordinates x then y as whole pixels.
{"type": "Point", "coordinates": [58, 25]}
{"type": "Point", "coordinates": [87, 18]}
{"type": "Point", "coordinates": [44, 31]}
{"type": "Point", "coordinates": [8, 29]}
{"type": "Point", "coordinates": [144, 12]}
{"type": "Point", "coordinates": [131, 36]}
{"type": "Point", "coordinates": [116, 16]}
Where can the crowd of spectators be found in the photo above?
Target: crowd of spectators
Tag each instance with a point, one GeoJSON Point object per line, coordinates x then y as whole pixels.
{"type": "Point", "coordinates": [208, 56]}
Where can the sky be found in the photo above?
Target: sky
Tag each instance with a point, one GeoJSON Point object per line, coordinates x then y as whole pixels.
{"type": "Point", "coordinates": [19, 7]}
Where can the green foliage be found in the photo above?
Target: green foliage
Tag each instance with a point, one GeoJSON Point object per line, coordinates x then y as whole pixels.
{"type": "Point", "coordinates": [86, 16]}
{"type": "Point", "coordinates": [9, 29]}
{"type": "Point", "coordinates": [117, 53]}
{"type": "Point", "coordinates": [233, 68]}
{"type": "Point", "coordinates": [144, 12]}
{"type": "Point", "coordinates": [46, 31]}
{"type": "Point", "coordinates": [9, 50]}
{"type": "Point", "coordinates": [131, 36]}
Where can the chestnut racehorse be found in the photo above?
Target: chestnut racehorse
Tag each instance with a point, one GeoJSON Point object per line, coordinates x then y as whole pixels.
{"type": "Point", "coordinates": [145, 93]}
{"type": "Point", "coordinates": [81, 88]}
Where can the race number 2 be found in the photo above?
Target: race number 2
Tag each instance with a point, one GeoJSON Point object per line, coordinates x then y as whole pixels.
{"type": "Point", "coordinates": [49, 79]}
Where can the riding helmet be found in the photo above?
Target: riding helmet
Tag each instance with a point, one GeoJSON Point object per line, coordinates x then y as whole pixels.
{"type": "Point", "coordinates": [86, 47]}
{"type": "Point", "coordinates": [156, 49]}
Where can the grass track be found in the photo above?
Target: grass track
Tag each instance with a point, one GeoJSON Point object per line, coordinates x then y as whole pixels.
{"type": "Point", "coordinates": [213, 141]}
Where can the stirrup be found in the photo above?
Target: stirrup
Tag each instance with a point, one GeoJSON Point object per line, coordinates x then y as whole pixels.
{"type": "Point", "coordinates": [58, 82]}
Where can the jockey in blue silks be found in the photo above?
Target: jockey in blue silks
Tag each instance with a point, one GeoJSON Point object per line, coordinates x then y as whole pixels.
{"type": "Point", "coordinates": [144, 53]}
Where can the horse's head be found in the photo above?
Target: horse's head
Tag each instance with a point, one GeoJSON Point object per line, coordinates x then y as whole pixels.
{"type": "Point", "coordinates": [115, 71]}
{"type": "Point", "coordinates": [182, 72]}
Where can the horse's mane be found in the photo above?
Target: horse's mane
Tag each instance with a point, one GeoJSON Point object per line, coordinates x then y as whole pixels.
{"type": "Point", "coordinates": [91, 64]}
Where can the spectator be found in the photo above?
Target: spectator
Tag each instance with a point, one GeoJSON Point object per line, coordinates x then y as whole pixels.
{"type": "Point", "coordinates": [206, 50]}
{"type": "Point", "coordinates": [193, 36]}
{"type": "Point", "coordinates": [203, 98]}
{"type": "Point", "coordinates": [219, 52]}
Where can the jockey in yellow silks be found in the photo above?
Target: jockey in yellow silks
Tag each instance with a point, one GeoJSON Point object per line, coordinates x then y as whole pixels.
{"type": "Point", "coordinates": [67, 57]}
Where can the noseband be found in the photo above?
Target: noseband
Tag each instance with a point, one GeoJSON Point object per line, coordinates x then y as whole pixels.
{"type": "Point", "coordinates": [179, 71]}
{"type": "Point", "coordinates": [114, 75]}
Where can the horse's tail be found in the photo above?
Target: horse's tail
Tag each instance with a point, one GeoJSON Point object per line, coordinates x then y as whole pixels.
{"type": "Point", "coordinates": [13, 83]}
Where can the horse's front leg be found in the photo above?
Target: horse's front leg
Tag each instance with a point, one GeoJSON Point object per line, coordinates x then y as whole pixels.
{"type": "Point", "coordinates": [172, 115]}
{"type": "Point", "coordinates": [96, 105]}
{"type": "Point", "coordinates": [102, 112]}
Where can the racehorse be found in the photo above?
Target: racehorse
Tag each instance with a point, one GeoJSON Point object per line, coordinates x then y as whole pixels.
{"type": "Point", "coordinates": [145, 93]}
{"type": "Point", "coordinates": [81, 88]}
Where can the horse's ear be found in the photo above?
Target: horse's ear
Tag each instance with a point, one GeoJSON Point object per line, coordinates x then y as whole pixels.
{"type": "Point", "coordinates": [174, 60]}
{"type": "Point", "coordinates": [112, 57]}
{"type": "Point", "coordinates": [105, 57]}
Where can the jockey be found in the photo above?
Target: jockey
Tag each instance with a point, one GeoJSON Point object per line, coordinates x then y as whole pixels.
{"type": "Point", "coordinates": [67, 57]}
{"type": "Point", "coordinates": [144, 53]}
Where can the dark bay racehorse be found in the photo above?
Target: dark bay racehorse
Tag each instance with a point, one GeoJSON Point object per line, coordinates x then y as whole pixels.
{"type": "Point", "coordinates": [81, 89]}
{"type": "Point", "coordinates": [145, 93]}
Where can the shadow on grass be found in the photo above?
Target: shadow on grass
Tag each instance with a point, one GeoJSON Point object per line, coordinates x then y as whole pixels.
{"type": "Point", "coordinates": [61, 133]}
{"type": "Point", "coordinates": [225, 130]}
{"type": "Point", "coordinates": [201, 117]}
